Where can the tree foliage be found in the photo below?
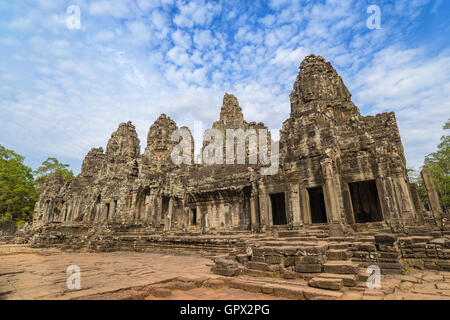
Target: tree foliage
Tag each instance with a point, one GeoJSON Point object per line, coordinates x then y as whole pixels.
{"type": "Point", "coordinates": [17, 192]}
{"type": "Point", "coordinates": [438, 165]}
{"type": "Point", "coordinates": [49, 166]}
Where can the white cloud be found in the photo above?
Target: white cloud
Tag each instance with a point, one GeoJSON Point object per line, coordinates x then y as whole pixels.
{"type": "Point", "coordinates": [133, 60]}
{"type": "Point", "coordinates": [178, 56]}
{"type": "Point", "coordinates": [413, 85]}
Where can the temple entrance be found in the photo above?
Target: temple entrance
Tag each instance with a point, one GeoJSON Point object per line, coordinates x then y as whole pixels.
{"type": "Point", "coordinates": [165, 207]}
{"type": "Point", "coordinates": [317, 205]}
{"type": "Point", "coordinates": [194, 217]}
{"type": "Point", "coordinates": [278, 209]}
{"type": "Point", "coordinates": [366, 205]}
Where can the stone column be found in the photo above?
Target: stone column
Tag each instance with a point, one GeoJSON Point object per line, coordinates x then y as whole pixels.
{"type": "Point", "coordinates": [198, 220]}
{"type": "Point", "coordinates": [304, 206]}
{"type": "Point", "coordinates": [112, 210]}
{"type": "Point", "coordinates": [295, 204]}
{"type": "Point", "coordinates": [329, 191]}
{"type": "Point", "coordinates": [348, 205]}
{"type": "Point", "coordinates": [407, 209]}
{"type": "Point", "coordinates": [168, 219]}
{"type": "Point", "coordinates": [263, 210]}
{"type": "Point", "coordinates": [432, 194]}
{"type": "Point", "coordinates": [158, 212]}
{"type": "Point", "coordinates": [254, 213]}
{"type": "Point", "coordinates": [417, 203]}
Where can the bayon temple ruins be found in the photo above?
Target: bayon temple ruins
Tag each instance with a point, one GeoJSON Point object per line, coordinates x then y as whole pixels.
{"type": "Point", "coordinates": [340, 177]}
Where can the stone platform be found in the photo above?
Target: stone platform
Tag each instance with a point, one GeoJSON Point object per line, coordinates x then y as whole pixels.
{"type": "Point", "coordinates": [38, 273]}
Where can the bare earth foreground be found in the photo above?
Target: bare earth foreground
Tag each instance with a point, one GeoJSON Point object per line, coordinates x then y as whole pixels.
{"type": "Point", "coordinates": [27, 273]}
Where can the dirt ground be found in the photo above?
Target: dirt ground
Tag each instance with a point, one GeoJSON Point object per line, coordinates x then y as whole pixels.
{"type": "Point", "coordinates": [27, 273]}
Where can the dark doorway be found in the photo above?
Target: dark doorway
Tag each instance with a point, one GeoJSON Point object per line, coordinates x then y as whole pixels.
{"type": "Point", "coordinates": [278, 208]}
{"type": "Point", "coordinates": [317, 205]}
{"type": "Point", "coordinates": [194, 216]}
{"type": "Point", "coordinates": [366, 205]}
{"type": "Point", "coordinates": [107, 211]}
{"type": "Point", "coordinates": [165, 206]}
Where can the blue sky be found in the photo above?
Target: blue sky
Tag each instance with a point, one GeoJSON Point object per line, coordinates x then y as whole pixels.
{"type": "Point", "coordinates": [64, 91]}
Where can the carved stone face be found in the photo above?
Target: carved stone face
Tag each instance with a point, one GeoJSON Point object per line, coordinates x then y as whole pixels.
{"type": "Point", "coordinates": [159, 139]}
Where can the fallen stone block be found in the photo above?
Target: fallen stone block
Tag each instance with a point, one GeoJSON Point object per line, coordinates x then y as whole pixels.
{"type": "Point", "coordinates": [308, 268]}
{"type": "Point", "coordinates": [385, 238]}
{"type": "Point", "coordinates": [366, 246]}
{"type": "Point", "coordinates": [338, 254]}
{"type": "Point", "coordinates": [310, 260]}
{"type": "Point", "coordinates": [227, 272]}
{"type": "Point", "coordinates": [341, 267]}
{"type": "Point", "coordinates": [257, 266]}
{"type": "Point", "coordinates": [224, 263]}
{"type": "Point", "coordinates": [274, 259]}
{"type": "Point", "coordinates": [324, 283]}
{"type": "Point", "coordinates": [242, 258]}
{"type": "Point", "coordinates": [349, 280]}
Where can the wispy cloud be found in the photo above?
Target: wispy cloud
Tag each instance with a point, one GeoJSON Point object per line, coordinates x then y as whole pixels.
{"type": "Point", "coordinates": [64, 91]}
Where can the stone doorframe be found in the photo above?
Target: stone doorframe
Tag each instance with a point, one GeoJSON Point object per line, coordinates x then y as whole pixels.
{"type": "Point", "coordinates": [273, 189]}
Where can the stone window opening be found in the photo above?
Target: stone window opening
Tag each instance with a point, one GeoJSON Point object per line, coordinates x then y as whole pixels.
{"type": "Point", "coordinates": [365, 201]}
{"type": "Point", "coordinates": [277, 201]}
{"type": "Point", "coordinates": [317, 205]}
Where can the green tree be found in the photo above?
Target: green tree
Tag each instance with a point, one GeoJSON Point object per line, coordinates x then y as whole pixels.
{"type": "Point", "coordinates": [17, 192]}
{"type": "Point", "coordinates": [438, 164]}
{"type": "Point", "coordinates": [49, 166]}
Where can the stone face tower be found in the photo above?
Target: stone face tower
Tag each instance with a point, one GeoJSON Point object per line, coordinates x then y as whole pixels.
{"type": "Point", "coordinates": [353, 166]}
{"type": "Point", "coordinates": [337, 167]}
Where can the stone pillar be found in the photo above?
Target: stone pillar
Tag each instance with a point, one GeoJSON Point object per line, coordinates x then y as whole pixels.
{"type": "Point", "coordinates": [263, 207]}
{"type": "Point", "coordinates": [295, 204]}
{"type": "Point", "coordinates": [305, 209]}
{"type": "Point", "coordinates": [417, 203]}
{"type": "Point", "coordinates": [204, 220]}
{"type": "Point", "coordinates": [158, 212]}
{"type": "Point", "coordinates": [112, 209]}
{"type": "Point", "coordinates": [168, 219]}
{"type": "Point", "coordinates": [432, 195]}
{"type": "Point", "coordinates": [348, 205]}
{"type": "Point", "coordinates": [406, 204]}
{"type": "Point", "coordinates": [254, 213]}
{"type": "Point", "coordinates": [329, 191]}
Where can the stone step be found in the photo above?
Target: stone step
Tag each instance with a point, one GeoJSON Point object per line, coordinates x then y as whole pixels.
{"type": "Point", "coordinates": [285, 290]}
{"type": "Point", "coordinates": [326, 283]}
{"type": "Point", "coordinates": [349, 280]}
{"type": "Point", "coordinates": [340, 245]}
{"type": "Point", "coordinates": [341, 267]}
{"type": "Point", "coordinates": [363, 275]}
{"type": "Point", "coordinates": [338, 254]}
{"type": "Point", "coordinates": [386, 267]}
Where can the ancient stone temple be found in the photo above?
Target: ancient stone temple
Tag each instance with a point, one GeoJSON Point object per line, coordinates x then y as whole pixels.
{"type": "Point", "coordinates": [336, 167]}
